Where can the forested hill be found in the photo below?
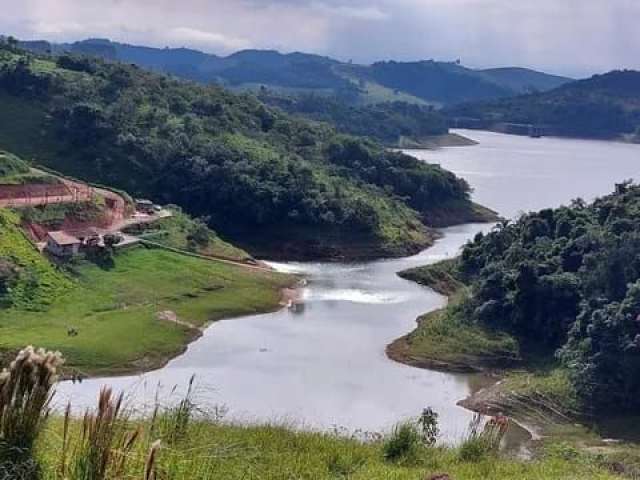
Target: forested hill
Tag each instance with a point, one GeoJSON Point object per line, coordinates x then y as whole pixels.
{"type": "Point", "coordinates": [432, 82]}
{"type": "Point", "coordinates": [257, 174]}
{"type": "Point", "coordinates": [604, 106]}
{"type": "Point", "coordinates": [395, 124]}
{"type": "Point", "coordinates": [567, 281]}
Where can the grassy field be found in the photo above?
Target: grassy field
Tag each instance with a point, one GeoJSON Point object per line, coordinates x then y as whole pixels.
{"type": "Point", "coordinates": [443, 339]}
{"type": "Point", "coordinates": [115, 311]}
{"type": "Point", "coordinates": [182, 232]}
{"type": "Point", "coordinates": [210, 450]}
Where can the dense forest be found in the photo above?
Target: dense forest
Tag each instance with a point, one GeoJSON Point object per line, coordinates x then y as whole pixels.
{"type": "Point", "coordinates": [567, 280]}
{"type": "Point", "coordinates": [604, 106]}
{"type": "Point", "coordinates": [385, 122]}
{"type": "Point", "coordinates": [228, 157]}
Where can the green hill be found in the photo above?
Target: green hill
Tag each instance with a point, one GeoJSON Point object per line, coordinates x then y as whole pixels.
{"type": "Point", "coordinates": [388, 122]}
{"type": "Point", "coordinates": [432, 82]}
{"type": "Point", "coordinates": [604, 106]}
{"type": "Point", "coordinates": [10, 165]}
{"type": "Point", "coordinates": [524, 80]}
{"type": "Point", "coordinates": [27, 280]}
{"type": "Point", "coordinates": [246, 167]}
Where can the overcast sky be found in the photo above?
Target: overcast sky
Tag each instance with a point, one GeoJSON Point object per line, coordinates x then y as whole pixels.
{"type": "Point", "coordinates": [573, 37]}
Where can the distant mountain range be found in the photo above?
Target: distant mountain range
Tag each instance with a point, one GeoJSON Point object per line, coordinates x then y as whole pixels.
{"type": "Point", "coordinates": [604, 106]}
{"type": "Point", "coordinates": [425, 82]}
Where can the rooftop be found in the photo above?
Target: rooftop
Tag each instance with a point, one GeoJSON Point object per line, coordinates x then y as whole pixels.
{"type": "Point", "coordinates": [63, 238]}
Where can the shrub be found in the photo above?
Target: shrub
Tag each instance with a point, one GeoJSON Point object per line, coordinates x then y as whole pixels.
{"type": "Point", "coordinates": [483, 439]}
{"type": "Point", "coordinates": [404, 443]}
{"type": "Point", "coordinates": [428, 423]}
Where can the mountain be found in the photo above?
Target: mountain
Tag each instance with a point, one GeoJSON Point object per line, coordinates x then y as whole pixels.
{"type": "Point", "coordinates": [259, 176]}
{"type": "Point", "coordinates": [427, 82]}
{"type": "Point", "coordinates": [524, 80]}
{"type": "Point", "coordinates": [604, 106]}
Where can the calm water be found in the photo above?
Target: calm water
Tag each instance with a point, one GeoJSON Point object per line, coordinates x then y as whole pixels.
{"type": "Point", "coordinates": [325, 365]}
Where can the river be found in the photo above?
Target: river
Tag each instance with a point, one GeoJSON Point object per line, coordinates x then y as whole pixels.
{"type": "Point", "coordinates": [324, 365]}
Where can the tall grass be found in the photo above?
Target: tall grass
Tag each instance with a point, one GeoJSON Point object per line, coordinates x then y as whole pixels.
{"type": "Point", "coordinates": [25, 395]}
{"type": "Point", "coordinates": [483, 438]}
{"type": "Point", "coordinates": [181, 443]}
{"type": "Point", "coordinates": [106, 440]}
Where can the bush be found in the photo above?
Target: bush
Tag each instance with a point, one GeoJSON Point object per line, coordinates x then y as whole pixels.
{"type": "Point", "coordinates": [404, 444]}
{"type": "Point", "coordinates": [483, 439]}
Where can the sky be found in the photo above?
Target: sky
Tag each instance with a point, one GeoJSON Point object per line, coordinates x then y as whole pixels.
{"type": "Point", "coordinates": [570, 37]}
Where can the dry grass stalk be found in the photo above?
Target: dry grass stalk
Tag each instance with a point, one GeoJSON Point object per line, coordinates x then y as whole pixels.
{"type": "Point", "coordinates": [25, 394]}
{"type": "Point", "coordinates": [105, 442]}
{"type": "Point", "coordinates": [150, 465]}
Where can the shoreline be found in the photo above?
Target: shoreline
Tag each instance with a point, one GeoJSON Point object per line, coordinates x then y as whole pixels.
{"type": "Point", "coordinates": [146, 364]}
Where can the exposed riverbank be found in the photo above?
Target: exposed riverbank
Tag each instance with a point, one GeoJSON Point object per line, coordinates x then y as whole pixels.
{"type": "Point", "coordinates": [313, 245]}
{"type": "Point", "coordinates": [536, 394]}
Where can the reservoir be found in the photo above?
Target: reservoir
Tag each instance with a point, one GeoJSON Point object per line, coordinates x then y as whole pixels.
{"type": "Point", "coordinates": [323, 365]}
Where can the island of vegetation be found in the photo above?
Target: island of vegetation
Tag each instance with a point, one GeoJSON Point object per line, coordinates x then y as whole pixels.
{"type": "Point", "coordinates": [555, 294]}
{"type": "Point", "coordinates": [277, 185]}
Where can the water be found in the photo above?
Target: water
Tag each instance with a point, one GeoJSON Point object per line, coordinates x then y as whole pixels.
{"type": "Point", "coordinates": [325, 365]}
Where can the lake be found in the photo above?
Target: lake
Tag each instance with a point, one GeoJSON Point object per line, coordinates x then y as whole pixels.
{"type": "Point", "coordinates": [323, 366]}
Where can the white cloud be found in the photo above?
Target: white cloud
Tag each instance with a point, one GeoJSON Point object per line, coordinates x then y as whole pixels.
{"type": "Point", "coordinates": [205, 40]}
{"type": "Point", "coordinates": [351, 12]}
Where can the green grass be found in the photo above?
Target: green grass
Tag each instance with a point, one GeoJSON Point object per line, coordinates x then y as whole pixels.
{"type": "Point", "coordinates": [440, 277]}
{"type": "Point", "coordinates": [445, 338]}
{"type": "Point", "coordinates": [115, 311]}
{"type": "Point", "coordinates": [38, 283]}
{"type": "Point", "coordinates": [210, 450]}
{"type": "Point", "coordinates": [175, 231]}
{"type": "Point", "coordinates": [11, 165]}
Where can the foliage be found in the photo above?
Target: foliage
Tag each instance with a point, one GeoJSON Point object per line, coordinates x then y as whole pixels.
{"type": "Point", "coordinates": [385, 122]}
{"type": "Point", "coordinates": [185, 233]}
{"type": "Point", "coordinates": [404, 443]}
{"type": "Point", "coordinates": [483, 438]}
{"type": "Point", "coordinates": [428, 423]}
{"type": "Point", "coordinates": [604, 106]}
{"type": "Point", "coordinates": [220, 155]}
{"type": "Point", "coordinates": [11, 165]}
{"type": "Point", "coordinates": [567, 280]}
{"type": "Point", "coordinates": [31, 283]}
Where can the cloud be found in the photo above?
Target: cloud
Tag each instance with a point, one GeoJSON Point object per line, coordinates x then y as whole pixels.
{"type": "Point", "coordinates": [205, 40]}
{"type": "Point", "coordinates": [351, 12]}
{"type": "Point", "coordinates": [574, 37]}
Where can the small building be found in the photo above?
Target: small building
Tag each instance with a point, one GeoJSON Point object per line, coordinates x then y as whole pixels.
{"type": "Point", "coordinates": [145, 206]}
{"type": "Point", "coordinates": [62, 244]}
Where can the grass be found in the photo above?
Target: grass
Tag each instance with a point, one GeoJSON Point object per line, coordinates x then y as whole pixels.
{"type": "Point", "coordinates": [213, 450]}
{"type": "Point", "coordinates": [179, 231]}
{"type": "Point", "coordinates": [109, 443]}
{"type": "Point", "coordinates": [38, 283]}
{"type": "Point", "coordinates": [115, 311]}
{"type": "Point", "coordinates": [440, 277]}
{"type": "Point", "coordinates": [443, 339]}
